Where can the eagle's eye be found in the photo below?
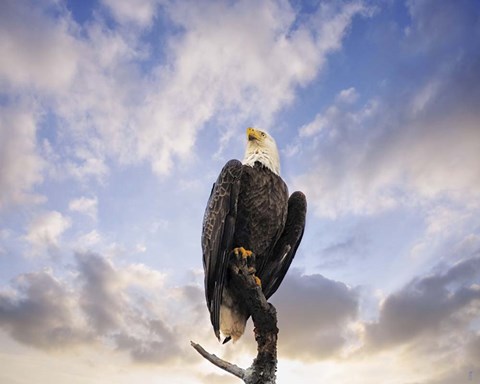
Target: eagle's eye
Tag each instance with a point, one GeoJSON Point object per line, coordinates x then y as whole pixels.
{"type": "Point", "coordinates": [263, 134]}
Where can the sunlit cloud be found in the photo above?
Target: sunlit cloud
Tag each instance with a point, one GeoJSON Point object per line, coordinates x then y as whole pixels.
{"type": "Point", "coordinates": [115, 120]}
{"type": "Point", "coordinates": [127, 306]}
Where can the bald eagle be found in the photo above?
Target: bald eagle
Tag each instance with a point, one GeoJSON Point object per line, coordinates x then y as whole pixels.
{"type": "Point", "coordinates": [249, 211]}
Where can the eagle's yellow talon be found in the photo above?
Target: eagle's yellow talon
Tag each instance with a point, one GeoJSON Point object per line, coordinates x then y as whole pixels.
{"type": "Point", "coordinates": [242, 252]}
{"type": "Point", "coordinates": [258, 281]}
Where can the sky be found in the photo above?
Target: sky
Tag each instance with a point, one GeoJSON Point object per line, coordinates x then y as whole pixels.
{"type": "Point", "coordinates": [116, 118]}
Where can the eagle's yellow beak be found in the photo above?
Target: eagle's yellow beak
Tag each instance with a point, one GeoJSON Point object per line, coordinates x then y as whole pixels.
{"type": "Point", "coordinates": [253, 134]}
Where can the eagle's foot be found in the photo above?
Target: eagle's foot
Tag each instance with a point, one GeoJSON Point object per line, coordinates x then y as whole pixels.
{"type": "Point", "coordinates": [245, 257]}
{"type": "Point", "coordinates": [245, 263]}
{"type": "Point", "coordinates": [244, 253]}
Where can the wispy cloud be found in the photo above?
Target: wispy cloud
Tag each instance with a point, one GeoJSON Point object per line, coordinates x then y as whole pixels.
{"type": "Point", "coordinates": [85, 205]}
{"type": "Point", "coordinates": [45, 230]}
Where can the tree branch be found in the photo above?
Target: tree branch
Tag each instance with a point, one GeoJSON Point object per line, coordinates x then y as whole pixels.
{"type": "Point", "coordinates": [264, 316]}
{"type": "Point", "coordinates": [215, 360]}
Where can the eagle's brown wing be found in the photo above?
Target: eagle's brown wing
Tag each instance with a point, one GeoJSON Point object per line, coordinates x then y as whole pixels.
{"type": "Point", "coordinates": [217, 236]}
{"type": "Point", "coordinates": [286, 246]}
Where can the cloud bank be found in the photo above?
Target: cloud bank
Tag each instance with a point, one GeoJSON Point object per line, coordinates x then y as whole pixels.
{"type": "Point", "coordinates": [128, 308]}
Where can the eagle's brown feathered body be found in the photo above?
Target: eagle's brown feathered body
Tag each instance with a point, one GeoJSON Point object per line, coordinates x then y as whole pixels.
{"type": "Point", "coordinates": [249, 207]}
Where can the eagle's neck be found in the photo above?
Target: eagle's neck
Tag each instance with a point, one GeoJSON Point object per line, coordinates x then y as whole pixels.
{"type": "Point", "coordinates": [268, 158]}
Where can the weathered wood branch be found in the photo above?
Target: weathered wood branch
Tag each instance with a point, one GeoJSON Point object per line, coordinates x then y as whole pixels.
{"type": "Point", "coordinates": [264, 316]}
{"type": "Point", "coordinates": [215, 360]}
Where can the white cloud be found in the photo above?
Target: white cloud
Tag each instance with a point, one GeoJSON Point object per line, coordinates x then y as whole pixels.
{"type": "Point", "coordinates": [379, 156]}
{"type": "Point", "coordinates": [336, 182]}
{"type": "Point", "coordinates": [45, 230]}
{"type": "Point", "coordinates": [349, 95]}
{"type": "Point", "coordinates": [20, 165]}
{"type": "Point", "coordinates": [54, 57]}
{"type": "Point", "coordinates": [240, 67]}
{"type": "Point", "coordinates": [318, 124]}
{"type": "Point", "coordinates": [442, 159]}
{"type": "Point", "coordinates": [245, 64]}
{"type": "Point", "coordinates": [339, 116]}
{"type": "Point", "coordinates": [87, 240]}
{"type": "Point", "coordinates": [139, 12]}
{"type": "Point", "coordinates": [86, 164]}
{"type": "Point", "coordinates": [37, 51]}
{"type": "Point", "coordinates": [446, 220]}
{"type": "Point", "coordinates": [85, 205]}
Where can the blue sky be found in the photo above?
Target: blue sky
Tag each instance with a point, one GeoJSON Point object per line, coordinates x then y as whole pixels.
{"type": "Point", "coordinates": [115, 119]}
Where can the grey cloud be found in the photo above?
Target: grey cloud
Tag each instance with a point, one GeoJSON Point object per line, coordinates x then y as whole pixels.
{"type": "Point", "coordinates": [473, 350]}
{"type": "Point", "coordinates": [468, 354]}
{"type": "Point", "coordinates": [104, 304]}
{"type": "Point", "coordinates": [428, 307]}
{"type": "Point", "coordinates": [312, 314]}
{"type": "Point", "coordinates": [100, 297]}
{"type": "Point", "coordinates": [194, 299]}
{"type": "Point", "coordinates": [108, 305]}
{"type": "Point", "coordinates": [158, 346]}
{"type": "Point", "coordinates": [337, 254]}
{"type": "Point", "coordinates": [40, 312]}
{"type": "Point", "coordinates": [340, 246]}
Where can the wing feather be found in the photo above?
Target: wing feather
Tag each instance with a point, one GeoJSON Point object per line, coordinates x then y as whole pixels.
{"type": "Point", "coordinates": [217, 236]}
{"type": "Point", "coordinates": [287, 244]}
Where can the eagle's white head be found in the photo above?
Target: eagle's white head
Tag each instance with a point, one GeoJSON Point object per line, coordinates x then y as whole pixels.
{"type": "Point", "coordinates": [261, 147]}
